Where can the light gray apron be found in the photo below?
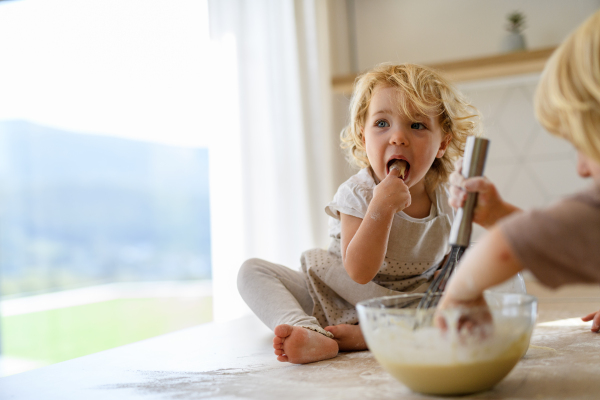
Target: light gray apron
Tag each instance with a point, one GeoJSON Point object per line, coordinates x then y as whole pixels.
{"type": "Point", "coordinates": [415, 251]}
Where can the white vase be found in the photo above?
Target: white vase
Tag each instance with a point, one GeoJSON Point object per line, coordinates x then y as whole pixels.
{"type": "Point", "coordinates": [514, 41]}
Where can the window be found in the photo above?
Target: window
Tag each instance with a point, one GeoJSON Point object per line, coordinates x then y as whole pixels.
{"type": "Point", "coordinates": [104, 191]}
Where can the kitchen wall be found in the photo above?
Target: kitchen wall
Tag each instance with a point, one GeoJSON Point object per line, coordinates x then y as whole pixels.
{"type": "Point", "coordinates": [429, 31]}
{"type": "Point", "coordinates": [529, 166]}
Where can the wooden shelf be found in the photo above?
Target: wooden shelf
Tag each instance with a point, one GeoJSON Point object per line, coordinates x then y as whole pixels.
{"type": "Point", "coordinates": [516, 63]}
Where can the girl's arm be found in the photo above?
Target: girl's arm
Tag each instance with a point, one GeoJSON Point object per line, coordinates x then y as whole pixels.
{"type": "Point", "coordinates": [364, 241]}
{"type": "Point", "coordinates": [489, 262]}
{"type": "Point", "coordinates": [369, 239]}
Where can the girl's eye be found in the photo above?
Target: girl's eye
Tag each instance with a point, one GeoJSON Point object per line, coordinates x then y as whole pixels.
{"type": "Point", "coordinates": [417, 125]}
{"type": "Point", "coordinates": [382, 124]}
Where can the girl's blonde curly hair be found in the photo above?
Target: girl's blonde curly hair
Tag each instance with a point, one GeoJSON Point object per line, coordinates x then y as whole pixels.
{"type": "Point", "coordinates": [425, 92]}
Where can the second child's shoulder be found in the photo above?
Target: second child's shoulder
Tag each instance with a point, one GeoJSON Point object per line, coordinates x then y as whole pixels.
{"type": "Point", "coordinates": [589, 197]}
{"type": "Point", "coordinates": [581, 207]}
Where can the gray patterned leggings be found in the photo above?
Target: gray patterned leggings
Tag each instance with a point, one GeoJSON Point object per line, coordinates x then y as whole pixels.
{"type": "Point", "coordinates": [277, 295]}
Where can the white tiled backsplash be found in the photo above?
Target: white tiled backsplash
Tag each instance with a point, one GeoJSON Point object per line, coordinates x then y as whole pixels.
{"type": "Point", "coordinates": [530, 167]}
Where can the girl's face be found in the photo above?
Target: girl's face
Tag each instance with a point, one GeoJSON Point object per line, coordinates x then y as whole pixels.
{"type": "Point", "coordinates": [389, 134]}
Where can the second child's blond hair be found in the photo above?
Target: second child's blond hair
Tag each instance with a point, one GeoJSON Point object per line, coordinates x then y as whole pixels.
{"type": "Point", "coordinates": [567, 100]}
{"type": "Point", "coordinates": [424, 92]}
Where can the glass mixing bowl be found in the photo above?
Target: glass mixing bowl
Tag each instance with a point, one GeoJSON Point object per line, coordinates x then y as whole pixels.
{"type": "Point", "coordinates": [468, 356]}
{"type": "Point", "coordinates": [516, 284]}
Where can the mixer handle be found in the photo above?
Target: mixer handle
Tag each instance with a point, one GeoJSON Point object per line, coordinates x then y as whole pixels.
{"type": "Point", "coordinates": [473, 165]}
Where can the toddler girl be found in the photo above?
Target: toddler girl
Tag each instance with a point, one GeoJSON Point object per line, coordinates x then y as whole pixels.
{"type": "Point", "coordinates": [560, 244]}
{"type": "Point", "coordinates": [389, 223]}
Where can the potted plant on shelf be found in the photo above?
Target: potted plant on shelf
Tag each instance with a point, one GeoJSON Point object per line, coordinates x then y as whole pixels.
{"type": "Point", "coordinates": [515, 40]}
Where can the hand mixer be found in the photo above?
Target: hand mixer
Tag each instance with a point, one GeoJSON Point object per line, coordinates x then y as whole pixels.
{"type": "Point", "coordinates": [460, 234]}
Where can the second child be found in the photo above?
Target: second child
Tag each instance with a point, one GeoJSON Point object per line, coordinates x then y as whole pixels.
{"type": "Point", "coordinates": [561, 243]}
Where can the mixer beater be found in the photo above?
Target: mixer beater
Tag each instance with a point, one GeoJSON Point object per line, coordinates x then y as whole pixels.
{"type": "Point", "coordinates": [460, 234]}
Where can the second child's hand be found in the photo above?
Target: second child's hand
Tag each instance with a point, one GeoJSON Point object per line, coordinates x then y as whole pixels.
{"type": "Point", "coordinates": [490, 206]}
{"type": "Point", "coordinates": [474, 315]}
{"type": "Point", "coordinates": [595, 318]}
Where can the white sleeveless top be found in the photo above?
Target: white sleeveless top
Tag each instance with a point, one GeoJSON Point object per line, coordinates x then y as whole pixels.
{"type": "Point", "coordinates": [416, 247]}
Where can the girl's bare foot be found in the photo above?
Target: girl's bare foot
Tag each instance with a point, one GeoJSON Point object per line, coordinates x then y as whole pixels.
{"type": "Point", "coordinates": [300, 345]}
{"type": "Point", "coordinates": [348, 337]}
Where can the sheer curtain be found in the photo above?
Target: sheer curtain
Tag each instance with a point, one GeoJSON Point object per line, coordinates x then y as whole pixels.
{"type": "Point", "coordinates": [273, 146]}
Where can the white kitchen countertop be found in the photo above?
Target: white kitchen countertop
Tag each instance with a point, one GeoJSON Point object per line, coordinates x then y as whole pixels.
{"type": "Point", "coordinates": [235, 360]}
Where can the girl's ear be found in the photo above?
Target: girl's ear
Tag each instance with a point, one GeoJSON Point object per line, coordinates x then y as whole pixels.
{"type": "Point", "coordinates": [443, 146]}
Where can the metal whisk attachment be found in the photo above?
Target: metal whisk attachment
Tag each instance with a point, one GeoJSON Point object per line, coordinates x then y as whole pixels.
{"type": "Point", "coordinates": [433, 293]}
{"type": "Point", "coordinates": [460, 234]}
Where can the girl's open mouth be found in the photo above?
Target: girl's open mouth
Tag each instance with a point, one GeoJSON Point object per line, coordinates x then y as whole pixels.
{"type": "Point", "coordinates": [401, 165]}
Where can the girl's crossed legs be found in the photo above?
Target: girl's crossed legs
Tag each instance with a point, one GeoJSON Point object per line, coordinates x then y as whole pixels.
{"type": "Point", "coordinates": [280, 298]}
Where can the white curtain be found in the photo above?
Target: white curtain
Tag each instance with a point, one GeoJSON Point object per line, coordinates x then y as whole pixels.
{"type": "Point", "coordinates": [271, 159]}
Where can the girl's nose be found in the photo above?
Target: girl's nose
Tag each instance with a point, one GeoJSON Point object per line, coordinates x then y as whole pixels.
{"type": "Point", "coordinates": [398, 137]}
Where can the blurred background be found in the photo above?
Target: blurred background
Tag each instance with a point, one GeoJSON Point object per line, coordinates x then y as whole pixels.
{"type": "Point", "coordinates": [149, 147]}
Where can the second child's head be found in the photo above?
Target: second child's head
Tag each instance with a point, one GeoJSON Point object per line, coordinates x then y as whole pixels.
{"type": "Point", "coordinates": [567, 100]}
{"type": "Point", "coordinates": [408, 112]}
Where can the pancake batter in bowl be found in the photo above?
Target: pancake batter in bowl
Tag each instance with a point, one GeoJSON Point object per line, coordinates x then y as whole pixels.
{"type": "Point", "coordinates": [459, 359]}
{"type": "Point", "coordinates": [455, 378]}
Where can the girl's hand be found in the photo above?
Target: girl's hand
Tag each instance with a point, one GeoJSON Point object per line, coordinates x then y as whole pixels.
{"type": "Point", "coordinates": [595, 316]}
{"type": "Point", "coordinates": [391, 193]}
{"type": "Point", "coordinates": [490, 206]}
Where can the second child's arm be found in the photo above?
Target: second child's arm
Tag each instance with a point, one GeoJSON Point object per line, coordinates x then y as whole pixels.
{"type": "Point", "coordinates": [490, 262]}
{"type": "Point", "coordinates": [364, 241]}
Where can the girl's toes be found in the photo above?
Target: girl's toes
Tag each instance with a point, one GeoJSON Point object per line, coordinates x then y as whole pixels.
{"type": "Point", "coordinates": [283, 330]}
{"type": "Point", "coordinates": [282, 358]}
{"type": "Point", "coordinates": [278, 352]}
